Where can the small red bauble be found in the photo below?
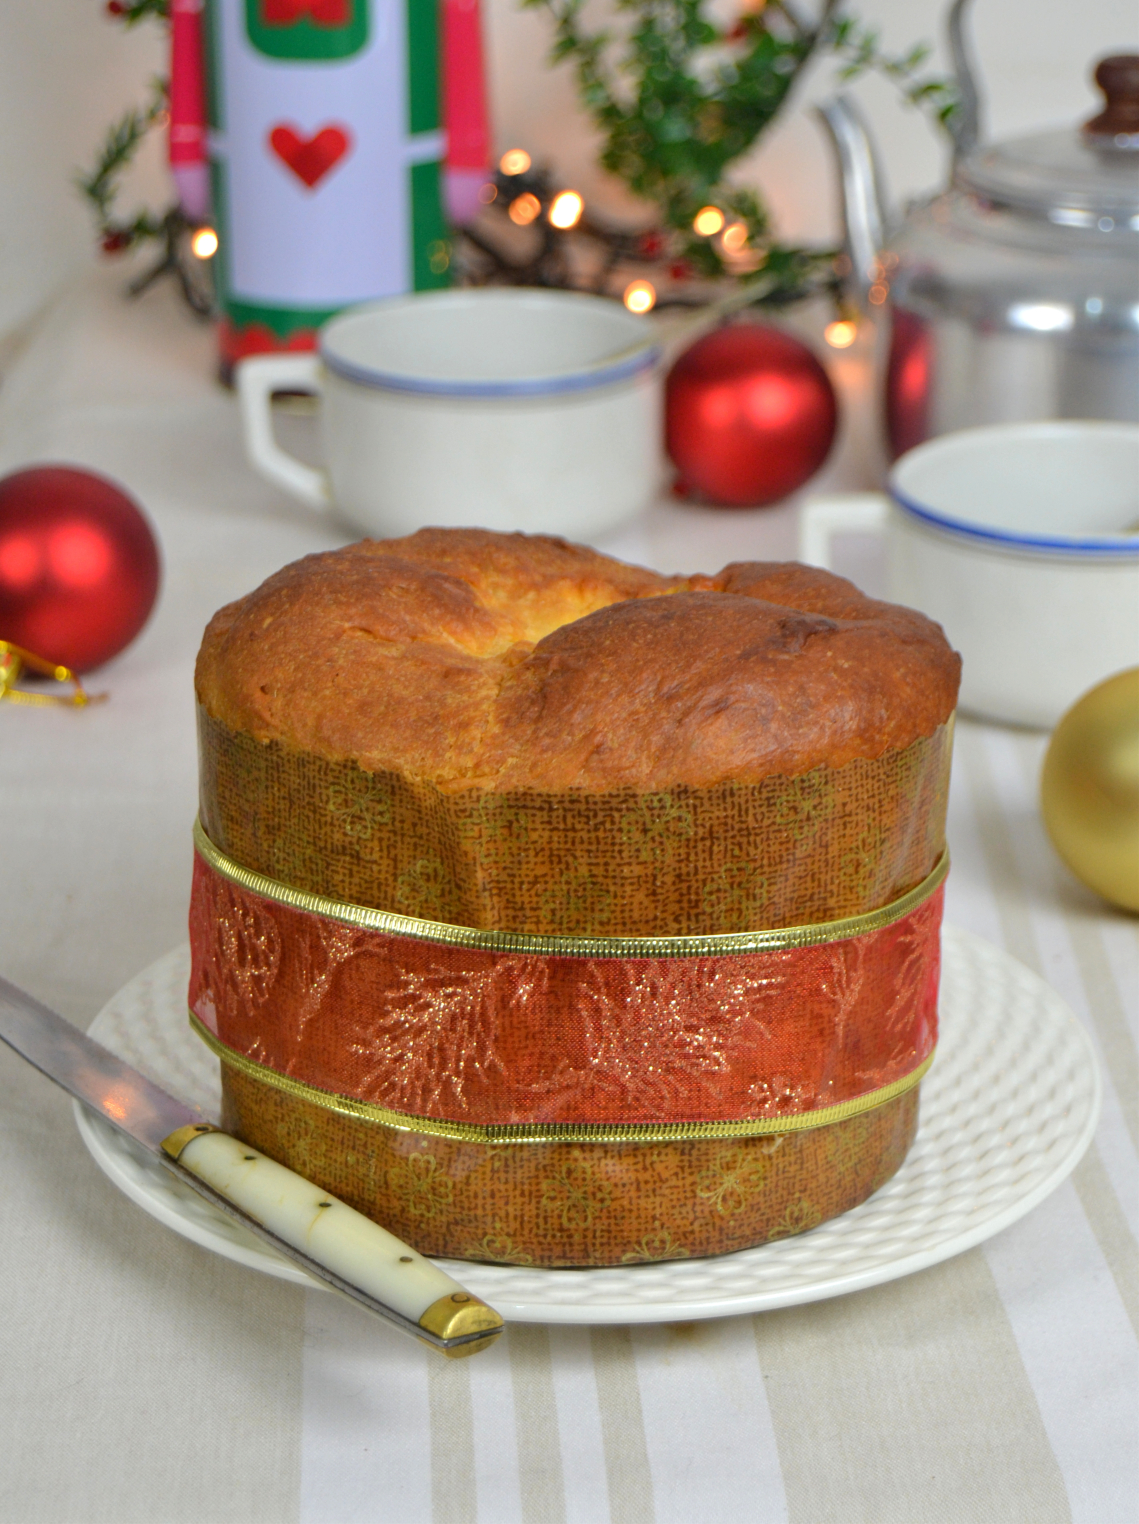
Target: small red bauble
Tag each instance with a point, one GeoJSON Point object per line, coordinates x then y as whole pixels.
{"type": "Point", "coordinates": [78, 566]}
{"type": "Point", "coordinates": [749, 415]}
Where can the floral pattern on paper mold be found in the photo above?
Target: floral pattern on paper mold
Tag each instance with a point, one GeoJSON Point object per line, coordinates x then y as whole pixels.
{"type": "Point", "coordinates": [736, 1177]}
{"type": "Point", "coordinates": [417, 1183]}
{"type": "Point", "coordinates": [572, 863]}
{"type": "Point", "coordinates": [575, 1193]}
{"type": "Point", "coordinates": [655, 826]}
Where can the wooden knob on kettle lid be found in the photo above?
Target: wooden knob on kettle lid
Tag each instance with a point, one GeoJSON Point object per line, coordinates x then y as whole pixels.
{"type": "Point", "coordinates": [1118, 123]}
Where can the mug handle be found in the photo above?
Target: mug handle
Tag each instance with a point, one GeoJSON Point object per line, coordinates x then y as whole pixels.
{"type": "Point", "coordinates": [257, 379]}
{"type": "Point", "coordinates": [824, 517]}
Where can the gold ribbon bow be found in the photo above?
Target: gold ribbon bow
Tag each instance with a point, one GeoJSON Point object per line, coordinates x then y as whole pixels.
{"type": "Point", "coordinates": [15, 660]}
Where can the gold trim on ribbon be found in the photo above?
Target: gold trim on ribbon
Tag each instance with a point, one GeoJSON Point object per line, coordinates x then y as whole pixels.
{"type": "Point", "coordinates": [553, 1132]}
{"type": "Point", "coordinates": [719, 944]}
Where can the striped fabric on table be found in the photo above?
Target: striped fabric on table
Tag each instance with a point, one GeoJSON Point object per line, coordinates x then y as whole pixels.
{"type": "Point", "coordinates": [1000, 1386]}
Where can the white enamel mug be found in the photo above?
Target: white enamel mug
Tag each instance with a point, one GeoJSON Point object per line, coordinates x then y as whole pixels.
{"type": "Point", "coordinates": [1020, 540]}
{"type": "Point", "coordinates": [501, 409]}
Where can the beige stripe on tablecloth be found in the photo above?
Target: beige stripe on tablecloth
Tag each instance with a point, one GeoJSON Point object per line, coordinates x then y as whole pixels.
{"type": "Point", "coordinates": [1104, 1003]}
{"type": "Point", "coordinates": [540, 1477]}
{"type": "Point", "coordinates": [1097, 1195]}
{"type": "Point", "coordinates": [1107, 1222]}
{"type": "Point", "coordinates": [885, 1411]}
{"type": "Point", "coordinates": [622, 1427]}
{"type": "Point", "coordinates": [1012, 906]}
{"type": "Point", "coordinates": [453, 1496]}
{"type": "Point", "coordinates": [1106, 1009]}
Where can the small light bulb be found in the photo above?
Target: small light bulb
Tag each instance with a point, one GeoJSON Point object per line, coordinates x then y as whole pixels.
{"type": "Point", "coordinates": [515, 161]}
{"type": "Point", "coordinates": [840, 334]}
{"type": "Point", "coordinates": [566, 209]}
{"type": "Point", "coordinates": [640, 296]}
{"type": "Point", "coordinates": [523, 209]}
{"type": "Point", "coordinates": [735, 236]}
{"type": "Point", "coordinates": [487, 193]}
{"type": "Point", "coordinates": [708, 221]}
{"type": "Point", "coordinates": [204, 243]}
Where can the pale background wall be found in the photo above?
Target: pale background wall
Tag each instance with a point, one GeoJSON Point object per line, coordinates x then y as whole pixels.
{"type": "Point", "coordinates": [66, 71]}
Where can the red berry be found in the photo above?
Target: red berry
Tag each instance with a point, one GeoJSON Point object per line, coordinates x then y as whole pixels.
{"type": "Point", "coordinates": [115, 242]}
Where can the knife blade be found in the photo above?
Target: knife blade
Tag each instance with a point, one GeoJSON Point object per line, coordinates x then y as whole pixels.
{"type": "Point", "coordinates": [323, 1235]}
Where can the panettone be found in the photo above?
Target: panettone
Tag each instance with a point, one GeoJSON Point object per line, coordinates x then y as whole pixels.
{"type": "Point", "coordinates": [554, 911]}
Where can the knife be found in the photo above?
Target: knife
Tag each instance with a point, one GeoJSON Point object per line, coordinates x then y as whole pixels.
{"type": "Point", "coordinates": [327, 1238]}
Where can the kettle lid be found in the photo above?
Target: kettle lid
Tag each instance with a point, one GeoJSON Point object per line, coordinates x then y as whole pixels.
{"type": "Point", "coordinates": [1075, 176]}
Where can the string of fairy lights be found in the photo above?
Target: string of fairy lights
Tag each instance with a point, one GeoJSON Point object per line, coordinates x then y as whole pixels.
{"type": "Point", "coordinates": [606, 257]}
{"type": "Point", "coordinates": [524, 199]}
{"type": "Point", "coordinates": [530, 232]}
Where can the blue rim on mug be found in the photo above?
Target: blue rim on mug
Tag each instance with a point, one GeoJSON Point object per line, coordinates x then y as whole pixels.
{"type": "Point", "coordinates": [1112, 547]}
{"type": "Point", "coordinates": [537, 386]}
{"type": "Point", "coordinates": [1108, 546]}
{"type": "Point", "coordinates": [622, 365]}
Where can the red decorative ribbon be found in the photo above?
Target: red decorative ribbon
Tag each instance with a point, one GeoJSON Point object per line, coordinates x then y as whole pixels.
{"type": "Point", "coordinates": [488, 1037]}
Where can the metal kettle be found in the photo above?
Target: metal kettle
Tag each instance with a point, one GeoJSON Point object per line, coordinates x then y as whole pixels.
{"type": "Point", "coordinates": [1013, 294]}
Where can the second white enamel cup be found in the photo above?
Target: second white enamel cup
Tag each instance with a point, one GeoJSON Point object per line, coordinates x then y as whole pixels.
{"type": "Point", "coordinates": [502, 409]}
{"type": "Point", "coordinates": [1020, 540]}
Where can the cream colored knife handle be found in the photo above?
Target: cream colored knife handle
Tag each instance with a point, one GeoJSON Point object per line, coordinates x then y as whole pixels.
{"type": "Point", "coordinates": [335, 1235]}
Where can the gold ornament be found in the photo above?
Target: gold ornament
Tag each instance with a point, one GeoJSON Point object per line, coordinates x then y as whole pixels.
{"type": "Point", "coordinates": [1089, 789]}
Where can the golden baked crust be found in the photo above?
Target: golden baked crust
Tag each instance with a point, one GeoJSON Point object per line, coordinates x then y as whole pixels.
{"type": "Point", "coordinates": [511, 662]}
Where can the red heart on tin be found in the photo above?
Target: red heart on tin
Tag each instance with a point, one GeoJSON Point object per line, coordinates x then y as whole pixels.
{"type": "Point", "coordinates": [310, 159]}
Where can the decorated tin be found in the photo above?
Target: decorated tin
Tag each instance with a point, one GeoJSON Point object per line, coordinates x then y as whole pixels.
{"type": "Point", "coordinates": [325, 146]}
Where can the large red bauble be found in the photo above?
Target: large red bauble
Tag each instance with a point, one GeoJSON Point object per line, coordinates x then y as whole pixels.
{"type": "Point", "coordinates": [749, 415]}
{"type": "Point", "coordinates": [78, 566]}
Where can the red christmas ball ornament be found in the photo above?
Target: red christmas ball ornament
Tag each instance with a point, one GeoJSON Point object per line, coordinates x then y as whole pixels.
{"type": "Point", "coordinates": [78, 565]}
{"type": "Point", "coordinates": [750, 415]}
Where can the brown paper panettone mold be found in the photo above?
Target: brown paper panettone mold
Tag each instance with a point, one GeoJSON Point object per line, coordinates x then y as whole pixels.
{"type": "Point", "coordinates": [512, 733]}
{"type": "Point", "coordinates": [578, 1204]}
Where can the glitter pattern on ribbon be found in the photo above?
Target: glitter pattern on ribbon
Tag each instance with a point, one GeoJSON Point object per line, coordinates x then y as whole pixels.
{"type": "Point", "coordinates": [485, 1038]}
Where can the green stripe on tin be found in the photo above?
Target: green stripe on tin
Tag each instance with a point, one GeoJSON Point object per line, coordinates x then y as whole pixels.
{"type": "Point", "coordinates": [219, 192]}
{"type": "Point", "coordinates": [211, 47]}
{"type": "Point", "coordinates": [430, 241]}
{"type": "Point", "coordinates": [422, 67]}
{"type": "Point", "coordinates": [281, 321]}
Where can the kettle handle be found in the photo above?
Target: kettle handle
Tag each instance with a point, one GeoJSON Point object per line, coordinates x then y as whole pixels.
{"type": "Point", "coordinates": [965, 123]}
{"type": "Point", "coordinates": [861, 180]}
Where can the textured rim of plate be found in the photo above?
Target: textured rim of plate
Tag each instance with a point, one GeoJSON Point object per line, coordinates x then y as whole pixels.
{"type": "Point", "coordinates": [1054, 1066]}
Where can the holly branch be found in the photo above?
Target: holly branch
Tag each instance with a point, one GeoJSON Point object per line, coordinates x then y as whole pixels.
{"type": "Point", "coordinates": [679, 100]}
{"type": "Point", "coordinates": [100, 183]}
{"type": "Point", "coordinates": [132, 11]}
{"type": "Point", "coordinates": [861, 46]}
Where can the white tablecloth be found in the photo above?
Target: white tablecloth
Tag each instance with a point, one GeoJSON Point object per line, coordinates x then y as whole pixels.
{"type": "Point", "coordinates": [145, 1381]}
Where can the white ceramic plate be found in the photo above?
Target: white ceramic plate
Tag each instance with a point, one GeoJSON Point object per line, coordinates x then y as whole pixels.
{"type": "Point", "coordinates": [1007, 1110]}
